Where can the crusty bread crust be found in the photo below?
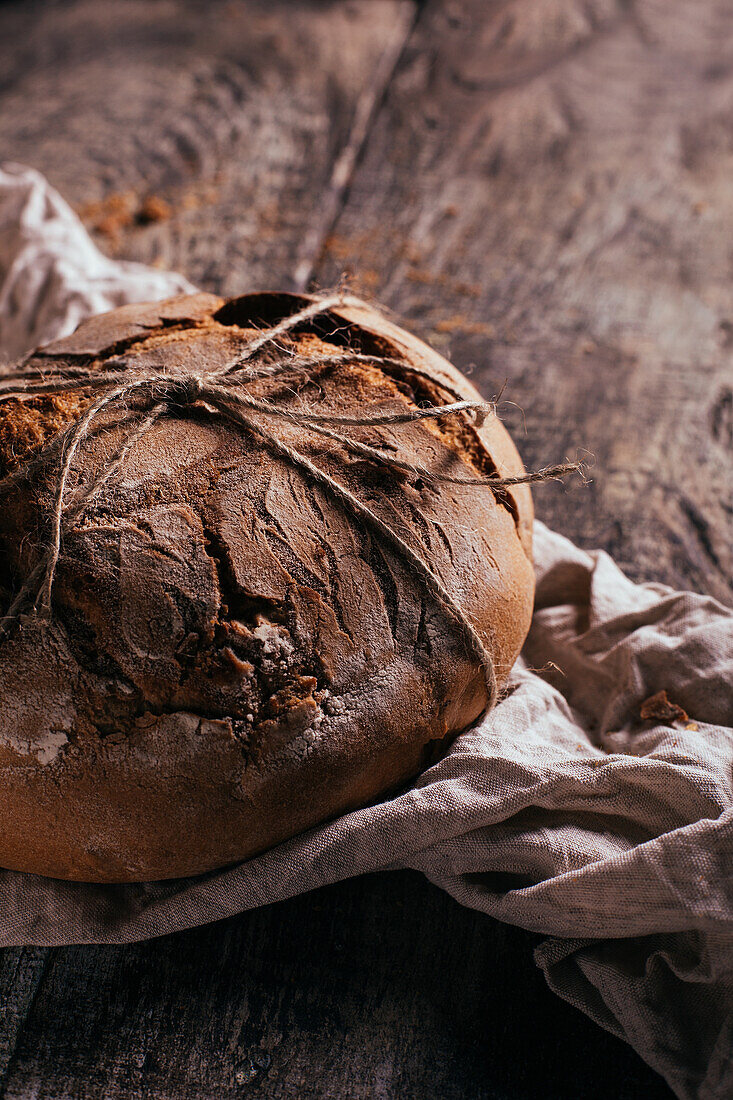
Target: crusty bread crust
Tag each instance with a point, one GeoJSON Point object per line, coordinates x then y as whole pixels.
{"type": "Point", "coordinates": [232, 659]}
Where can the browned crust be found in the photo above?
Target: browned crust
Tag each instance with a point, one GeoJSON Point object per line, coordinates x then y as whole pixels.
{"type": "Point", "coordinates": [232, 660]}
{"type": "Point", "coordinates": [494, 436]}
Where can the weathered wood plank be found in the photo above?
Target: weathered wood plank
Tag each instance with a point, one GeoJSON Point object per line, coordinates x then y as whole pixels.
{"type": "Point", "coordinates": [606, 309]}
{"type": "Point", "coordinates": [376, 988]}
{"type": "Point", "coordinates": [21, 973]}
{"type": "Point", "coordinates": [547, 196]}
{"type": "Point", "coordinates": [232, 114]}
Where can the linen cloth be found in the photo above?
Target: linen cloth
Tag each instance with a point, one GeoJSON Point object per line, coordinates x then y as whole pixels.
{"type": "Point", "coordinates": [562, 811]}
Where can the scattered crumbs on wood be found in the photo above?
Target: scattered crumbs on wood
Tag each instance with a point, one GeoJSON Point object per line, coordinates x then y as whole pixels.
{"type": "Point", "coordinates": [660, 708]}
{"type": "Point", "coordinates": [362, 251]}
{"type": "Point", "coordinates": [340, 247]}
{"type": "Point", "coordinates": [126, 209]}
{"type": "Point", "coordinates": [153, 209]}
{"type": "Point", "coordinates": [109, 216]}
{"type": "Point", "coordinates": [425, 277]}
{"type": "Point", "coordinates": [461, 323]}
{"type": "Point", "coordinates": [119, 211]}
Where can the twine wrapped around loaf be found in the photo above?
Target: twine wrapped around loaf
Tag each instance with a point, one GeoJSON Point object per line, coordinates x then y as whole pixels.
{"type": "Point", "coordinates": [223, 390]}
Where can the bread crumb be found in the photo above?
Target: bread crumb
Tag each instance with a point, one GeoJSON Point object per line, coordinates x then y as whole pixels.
{"type": "Point", "coordinates": [153, 209]}
{"type": "Point", "coordinates": [660, 708]}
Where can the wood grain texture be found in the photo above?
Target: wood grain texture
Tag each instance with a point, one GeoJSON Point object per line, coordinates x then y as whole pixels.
{"type": "Point", "coordinates": [21, 973]}
{"type": "Point", "coordinates": [232, 113]}
{"type": "Point", "coordinates": [547, 197]}
{"type": "Point", "coordinates": [376, 988]}
{"type": "Point", "coordinates": [544, 194]}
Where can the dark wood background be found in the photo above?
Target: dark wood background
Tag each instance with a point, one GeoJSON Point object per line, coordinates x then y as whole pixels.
{"type": "Point", "coordinates": [540, 188]}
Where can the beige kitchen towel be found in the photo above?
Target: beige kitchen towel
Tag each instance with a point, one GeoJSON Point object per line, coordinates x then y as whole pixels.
{"type": "Point", "coordinates": [577, 808]}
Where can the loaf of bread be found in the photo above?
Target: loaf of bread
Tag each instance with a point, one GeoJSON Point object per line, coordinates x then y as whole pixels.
{"type": "Point", "coordinates": [232, 656]}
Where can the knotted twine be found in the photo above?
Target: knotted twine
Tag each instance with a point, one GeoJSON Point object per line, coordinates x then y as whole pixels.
{"type": "Point", "coordinates": [223, 390]}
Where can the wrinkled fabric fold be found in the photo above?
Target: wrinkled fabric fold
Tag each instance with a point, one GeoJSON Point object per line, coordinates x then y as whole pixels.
{"type": "Point", "coordinates": [562, 811]}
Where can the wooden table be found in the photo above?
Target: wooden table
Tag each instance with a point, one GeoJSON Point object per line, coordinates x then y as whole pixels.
{"type": "Point", "coordinates": [542, 189]}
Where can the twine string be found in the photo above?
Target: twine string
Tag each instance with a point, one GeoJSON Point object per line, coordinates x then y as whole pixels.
{"type": "Point", "coordinates": [34, 584]}
{"type": "Point", "coordinates": [270, 335]}
{"type": "Point", "coordinates": [222, 391]}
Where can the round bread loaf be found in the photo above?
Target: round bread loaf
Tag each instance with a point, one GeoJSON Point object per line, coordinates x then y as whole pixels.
{"type": "Point", "coordinates": [232, 657]}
